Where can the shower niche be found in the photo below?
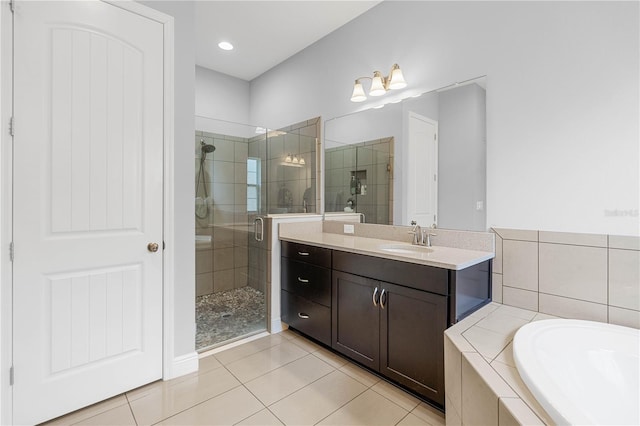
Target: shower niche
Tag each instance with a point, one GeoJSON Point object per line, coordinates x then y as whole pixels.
{"type": "Point", "coordinates": [242, 174]}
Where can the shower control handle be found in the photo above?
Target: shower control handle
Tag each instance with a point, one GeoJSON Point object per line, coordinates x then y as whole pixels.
{"type": "Point", "coordinates": [153, 247]}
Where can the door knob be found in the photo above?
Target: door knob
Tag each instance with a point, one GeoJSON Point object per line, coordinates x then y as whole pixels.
{"type": "Point", "coordinates": [152, 247]}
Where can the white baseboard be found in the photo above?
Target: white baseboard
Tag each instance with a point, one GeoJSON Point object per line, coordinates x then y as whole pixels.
{"type": "Point", "coordinates": [183, 364]}
{"type": "Point", "coordinates": [276, 325]}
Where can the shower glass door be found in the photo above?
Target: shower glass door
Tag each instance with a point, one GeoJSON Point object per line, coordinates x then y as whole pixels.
{"type": "Point", "coordinates": [231, 170]}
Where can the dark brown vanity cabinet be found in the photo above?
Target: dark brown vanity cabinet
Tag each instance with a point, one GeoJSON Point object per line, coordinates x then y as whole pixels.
{"type": "Point", "coordinates": [393, 329]}
{"type": "Point", "coordinates": [306, 290]}
{"type": "Point", "coordinates": [388, 315]}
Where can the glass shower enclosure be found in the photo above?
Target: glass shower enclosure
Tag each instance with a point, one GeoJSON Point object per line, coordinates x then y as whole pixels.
{"type": "Point", "coordinates": [242, 174]}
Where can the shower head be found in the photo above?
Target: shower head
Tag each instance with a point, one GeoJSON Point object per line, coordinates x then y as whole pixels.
{"type": "Point", "coordinates": [206, 148]}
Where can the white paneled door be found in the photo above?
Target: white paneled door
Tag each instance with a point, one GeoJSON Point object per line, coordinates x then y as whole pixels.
{"type": "Point", "coordinates": [422, 170]}
{"type": "Point", "coordinates": [88, 187]}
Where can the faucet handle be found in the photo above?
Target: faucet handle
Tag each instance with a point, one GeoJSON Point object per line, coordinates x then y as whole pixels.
{"type": "Point", "coordinates": [426, 237]}
{"type": "Point", "coordinates": [417, 233]}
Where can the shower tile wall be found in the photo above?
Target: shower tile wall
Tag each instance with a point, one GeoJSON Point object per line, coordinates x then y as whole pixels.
{"type": "Point", "coordinates": [222, 264]}
{"type": "Point", "coordinates": [297, 139]}
{"type": "Point", "coordinates": [373, 159]}
{"type": "Point", "coordinates": [287, 185]}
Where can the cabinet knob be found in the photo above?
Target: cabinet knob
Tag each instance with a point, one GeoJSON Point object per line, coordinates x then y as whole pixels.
{"type": "Point", "coordinates": [303, 253]}
{"type": "Point", "coordinates": [302, 280]}
{"type": "Point", "coordinates": [303, 316]}
{"type": "Point", "coordinates": [382, 300]}
{"type": "Point", "coordinates": [375, 300]}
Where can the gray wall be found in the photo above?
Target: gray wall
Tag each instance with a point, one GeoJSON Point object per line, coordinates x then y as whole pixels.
{"type": "Point", "coordinates": [184, 272]}
{"type": "Point", "coordinates": [562, 88]}
{"type": "Point", "coordinates": [461, 158]}
{"type": "Point", "coordinates": [221, 96]}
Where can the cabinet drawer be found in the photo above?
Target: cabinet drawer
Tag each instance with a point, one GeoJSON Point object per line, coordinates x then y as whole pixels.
{"type": "Point", "coordinates": [420, 277]}
{"type": "Point", "coordinates": [309, 281]}
{"type": "Point", "coordinates": [310, 254]}
{"type": "Point", "coordinates": [308, 317]}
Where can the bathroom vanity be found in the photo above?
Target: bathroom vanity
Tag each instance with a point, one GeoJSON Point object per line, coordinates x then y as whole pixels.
{"type": "Point", "coordinates": [382, 303]}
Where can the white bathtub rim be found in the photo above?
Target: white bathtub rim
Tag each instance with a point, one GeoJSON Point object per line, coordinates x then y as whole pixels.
{"type": "Point", "coordinates": [559, 406]}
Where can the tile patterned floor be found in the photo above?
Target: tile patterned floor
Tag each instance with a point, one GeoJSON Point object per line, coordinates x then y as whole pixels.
{"type": "Point", "coordinates": [275, 380]}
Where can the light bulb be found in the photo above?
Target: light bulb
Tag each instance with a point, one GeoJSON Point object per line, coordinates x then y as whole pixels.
{"type": "Point", "coordinates": [377, 85]}
{"type": "Point", "coordinates": [288, 158]}
{"type": "Point", "coordinates": [358, 93]}
{"type": "Point", "coordinates": [397, 80]}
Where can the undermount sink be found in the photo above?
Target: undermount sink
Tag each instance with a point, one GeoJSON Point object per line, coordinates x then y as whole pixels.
{"type": "Point", "coordinates": [405, 249]}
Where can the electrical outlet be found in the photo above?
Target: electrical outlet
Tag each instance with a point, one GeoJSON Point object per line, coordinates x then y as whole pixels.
{"type": "Point", "coordinates": [349, 229]}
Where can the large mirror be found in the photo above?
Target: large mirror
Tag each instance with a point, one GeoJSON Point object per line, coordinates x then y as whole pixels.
{"type": "Point", "coordinates": [422, 159]}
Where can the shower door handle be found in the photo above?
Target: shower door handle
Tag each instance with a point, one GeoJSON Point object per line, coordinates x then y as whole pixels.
{"type": "Point", "coordinates": [258, 235]}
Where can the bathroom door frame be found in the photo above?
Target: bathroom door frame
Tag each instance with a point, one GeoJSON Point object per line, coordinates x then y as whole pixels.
{"type": "Point", "coordinates": [172, 366]}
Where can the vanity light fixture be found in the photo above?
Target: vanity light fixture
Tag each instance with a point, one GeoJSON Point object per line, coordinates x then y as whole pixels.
{"type": "Point", "coordinates": [379, 84]}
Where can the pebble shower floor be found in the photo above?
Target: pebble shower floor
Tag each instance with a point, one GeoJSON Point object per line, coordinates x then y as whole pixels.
{"type": "Point", "coordinates": [227, 315]}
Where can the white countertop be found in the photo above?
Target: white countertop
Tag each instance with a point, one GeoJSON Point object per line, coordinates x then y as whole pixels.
{"type": "Point", "coordinates": [441, 257]}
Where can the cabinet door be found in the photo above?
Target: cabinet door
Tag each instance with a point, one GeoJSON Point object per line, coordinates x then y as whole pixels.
{"type": "Point", "coordinates": [356, 318]}
{"type": "Point", "coordinates": [412, 325]}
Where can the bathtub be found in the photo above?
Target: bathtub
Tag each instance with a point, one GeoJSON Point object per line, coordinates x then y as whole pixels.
{"type": "Point", "coordinates": [581, 372]}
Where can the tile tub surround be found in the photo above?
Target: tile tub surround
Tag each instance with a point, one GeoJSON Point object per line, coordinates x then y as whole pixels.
{"type": "Point", "coordinates": [363, 242]}
{"type": "Point", "coordinates": [482, 384]}
{"type": "Point", "coordinates": [583, 276]}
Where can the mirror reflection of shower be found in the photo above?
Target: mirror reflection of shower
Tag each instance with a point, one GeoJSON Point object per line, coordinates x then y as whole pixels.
{"type": "Point", "coordinates": [202, 203]}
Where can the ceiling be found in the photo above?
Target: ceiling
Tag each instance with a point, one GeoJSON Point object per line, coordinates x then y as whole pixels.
{"type": "Point", "coordinates": [264, 33]}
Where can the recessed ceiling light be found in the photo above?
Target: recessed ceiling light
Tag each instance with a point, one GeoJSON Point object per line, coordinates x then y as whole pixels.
{"type": "Point", "coordinates": [225, 45]}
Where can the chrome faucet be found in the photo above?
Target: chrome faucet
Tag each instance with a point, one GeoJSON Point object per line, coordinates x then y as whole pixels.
{"type": "Point", "coordinates": [421, 237]}
{"type": "Point", "coordinates": [417, 233]}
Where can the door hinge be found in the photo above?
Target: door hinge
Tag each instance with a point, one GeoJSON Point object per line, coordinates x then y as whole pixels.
{"type": "Point", "coordinates": [11, 5]}
{"type": "Point", "coordinates": [435, 138]}
{"type": "Point", "coordinates": [434, 218]}
{"type": "Point", "coordinates": [435, 179]}
{"type": "Point", "coordinates": [11, 379]}
{"type": "Point", "coordinates": [11, 126]}
{"type": "Point", "coordinates": [11, 251]}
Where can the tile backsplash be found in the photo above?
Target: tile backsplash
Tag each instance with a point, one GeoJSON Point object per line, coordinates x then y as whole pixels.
{"type": "Point", "coordinates": [585, 276]}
